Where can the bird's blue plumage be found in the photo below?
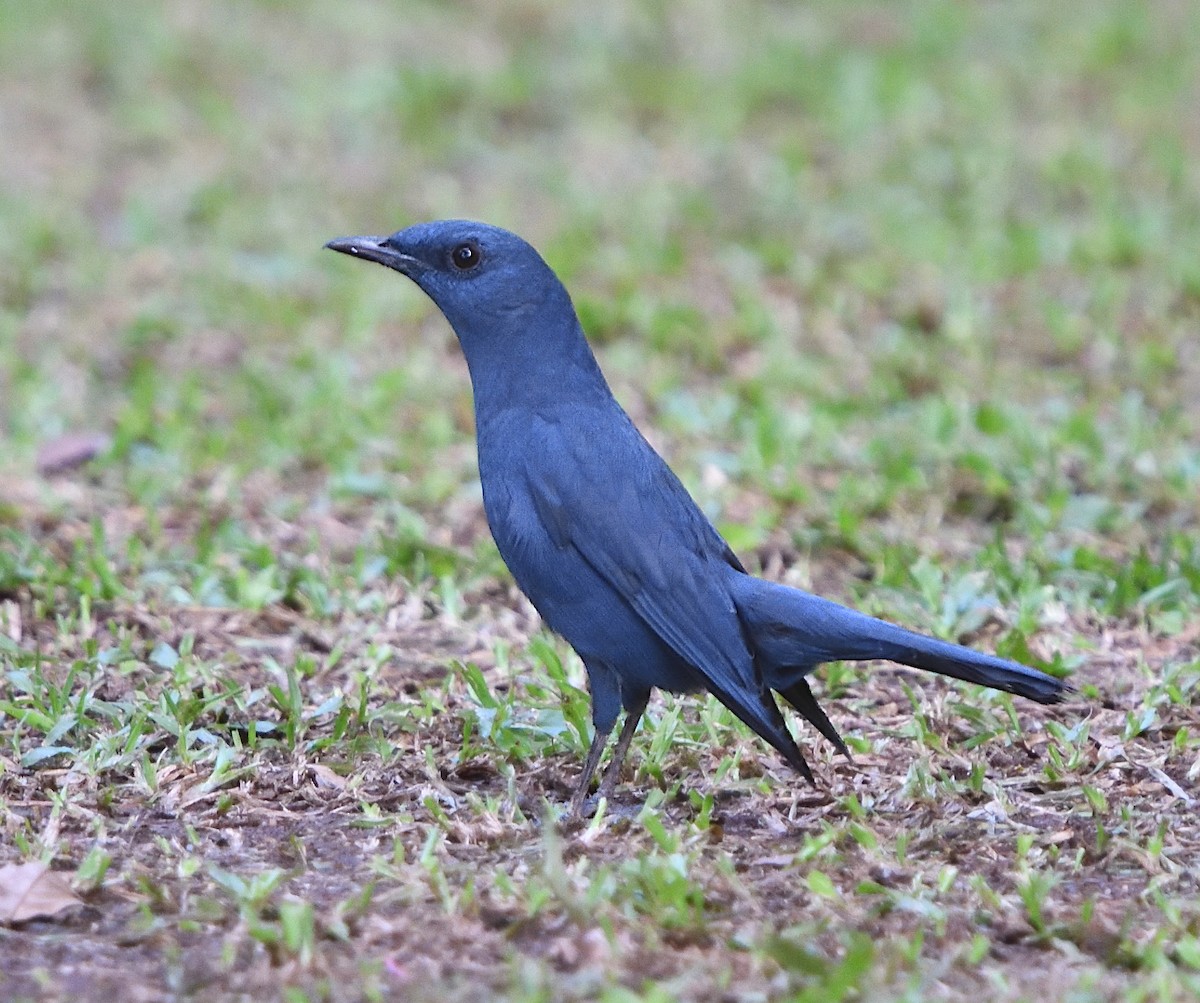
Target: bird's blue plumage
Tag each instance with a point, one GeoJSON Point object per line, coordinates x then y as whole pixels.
{"type": "Point", "coordinates": [601, 535]}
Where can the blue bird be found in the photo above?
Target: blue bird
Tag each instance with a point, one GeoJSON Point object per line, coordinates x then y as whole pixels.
{"type": "Point", "coordinates": [603, 538]}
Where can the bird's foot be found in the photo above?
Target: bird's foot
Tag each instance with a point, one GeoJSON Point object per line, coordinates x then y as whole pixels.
{"type": "Point", "coordinates": [585, 808]}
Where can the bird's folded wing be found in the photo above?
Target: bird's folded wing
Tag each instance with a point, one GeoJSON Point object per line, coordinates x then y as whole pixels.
{"type": "Point", "coordinates": [633, 522]}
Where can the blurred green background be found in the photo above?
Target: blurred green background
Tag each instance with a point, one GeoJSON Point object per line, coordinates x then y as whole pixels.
{"type": "Point", "coordinates": [840, 209]}
{"type": "Point", "coordinates": [868, 263]}
{"type": "Point", "coordinates": [908, 293]}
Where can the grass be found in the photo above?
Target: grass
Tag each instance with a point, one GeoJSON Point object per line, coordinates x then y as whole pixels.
{"type": "Point", "coordinates": [908, 295]}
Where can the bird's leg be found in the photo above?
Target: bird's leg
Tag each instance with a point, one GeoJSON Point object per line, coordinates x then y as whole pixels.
{"type": "Point", "coordinates": [632, 716]}
{"type": "Point", "coordinates": [589, 769]}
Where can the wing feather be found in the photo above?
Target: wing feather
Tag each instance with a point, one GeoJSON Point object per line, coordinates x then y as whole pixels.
{"type": "Point", "coordinates": [635, 524]}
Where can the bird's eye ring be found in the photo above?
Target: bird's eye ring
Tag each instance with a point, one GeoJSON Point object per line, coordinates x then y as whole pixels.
{"type": "Point", "coordinates": [466, 256]}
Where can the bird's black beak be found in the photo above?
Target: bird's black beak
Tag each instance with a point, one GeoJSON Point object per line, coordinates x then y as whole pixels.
{"type": "Point", "coordinates": [378, 250]}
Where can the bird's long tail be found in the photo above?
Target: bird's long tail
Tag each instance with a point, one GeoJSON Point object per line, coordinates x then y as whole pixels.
{"type": "Point", "coordinates": [791, 632]}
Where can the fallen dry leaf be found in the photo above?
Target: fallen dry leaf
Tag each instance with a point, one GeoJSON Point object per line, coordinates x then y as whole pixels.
{"type": "Point", "coordinates": [69, 451]}
{"type": "Point", "coordinates": [29, 891]}
{"type": "Point", "coordinates": [323, 776]}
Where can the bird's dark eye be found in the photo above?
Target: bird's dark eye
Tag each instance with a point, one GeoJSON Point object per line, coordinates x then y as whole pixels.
{"type": "Point", "coordinates": [466, 256]}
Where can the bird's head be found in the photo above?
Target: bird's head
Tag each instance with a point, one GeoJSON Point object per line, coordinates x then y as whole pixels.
{"type": "Point", "coordinates": [513, 317]}
{"type": "Point", "coordinates": [477, 275]}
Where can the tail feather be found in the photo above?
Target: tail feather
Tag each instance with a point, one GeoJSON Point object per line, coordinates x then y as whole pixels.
{"type": "Point", "coordinates": [800, 696]}
{"type": "Point", "coordinates": [792, 632]}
